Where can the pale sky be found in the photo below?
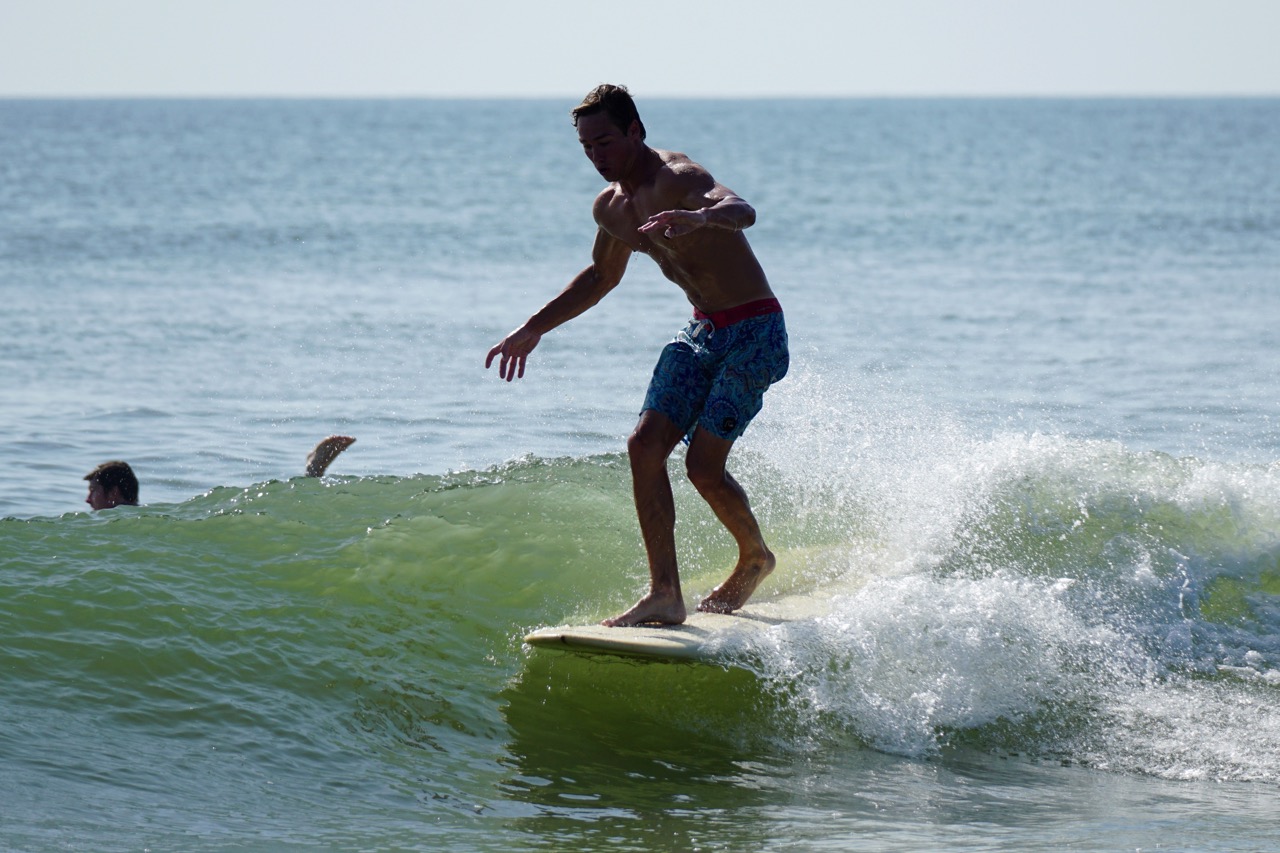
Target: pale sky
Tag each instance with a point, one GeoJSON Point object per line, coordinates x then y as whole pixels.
{"type": "Point", "coordinates": [712, 48]}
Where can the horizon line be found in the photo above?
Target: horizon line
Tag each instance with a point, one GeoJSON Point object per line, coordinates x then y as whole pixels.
{"type": "Point", "coordinates": [371, 96]}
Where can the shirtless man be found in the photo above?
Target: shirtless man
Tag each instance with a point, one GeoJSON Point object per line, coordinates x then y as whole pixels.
{"type": "Point", "coordinates": [709, 381]}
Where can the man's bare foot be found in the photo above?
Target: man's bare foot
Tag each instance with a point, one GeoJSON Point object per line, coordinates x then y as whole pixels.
{"type": "Point", "coordinates": [735, 591]}
{"type": "Point", "coordinates": [325, 452]}
{"type": "Point", "coordinates": [654, 608]}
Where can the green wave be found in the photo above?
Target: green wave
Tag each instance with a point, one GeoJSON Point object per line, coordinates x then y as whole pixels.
{"type": "Point", "coordinates": [353, 630]}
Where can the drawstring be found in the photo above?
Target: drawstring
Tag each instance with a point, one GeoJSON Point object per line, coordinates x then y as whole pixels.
{"type": "Point", "coordinates": [704, 327]}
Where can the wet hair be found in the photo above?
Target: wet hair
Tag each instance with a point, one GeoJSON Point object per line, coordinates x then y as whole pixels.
{"type": "Point", "coordinates": [613, 101]}
{"type": "Point", "coordinates": [116, 475]}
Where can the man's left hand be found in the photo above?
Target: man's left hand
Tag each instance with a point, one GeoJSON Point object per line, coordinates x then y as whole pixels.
{"type": "Point", "coordinates": [674, 223]}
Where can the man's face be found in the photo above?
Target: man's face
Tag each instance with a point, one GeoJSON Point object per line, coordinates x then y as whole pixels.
{"type": "Point", "coordinates": [611, 150]}
{"type": "Point", "coordinates": [99, 498]}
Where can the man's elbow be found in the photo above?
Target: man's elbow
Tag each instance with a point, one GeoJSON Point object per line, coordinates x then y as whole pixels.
{"type": "Point", "coordinates": [607, 286]}
{"type": "Point", "coordinates": [605, 281]}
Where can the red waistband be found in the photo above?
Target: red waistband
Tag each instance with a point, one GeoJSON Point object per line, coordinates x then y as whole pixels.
{"type": "Point", "coordinates": [737, 314]}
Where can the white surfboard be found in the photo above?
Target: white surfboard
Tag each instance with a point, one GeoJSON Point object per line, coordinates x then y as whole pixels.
{"type": "Point", "coordinates": [705, 637]}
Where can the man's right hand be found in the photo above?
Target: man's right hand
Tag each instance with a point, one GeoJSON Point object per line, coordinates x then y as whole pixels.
{"type": "Point", "coordinates": [515, 349]}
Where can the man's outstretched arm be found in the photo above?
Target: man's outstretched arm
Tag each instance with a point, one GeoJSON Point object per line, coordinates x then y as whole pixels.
{"type": "Point", "coordinates": [325, 452]}
{"type": "Point", "coordinates": [609, 259]}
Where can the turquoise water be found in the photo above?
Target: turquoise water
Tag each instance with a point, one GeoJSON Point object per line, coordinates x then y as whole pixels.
{"type": "Point", "coordinates": [1022, 480]}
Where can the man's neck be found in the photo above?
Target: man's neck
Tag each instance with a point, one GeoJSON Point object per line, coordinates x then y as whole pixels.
{"type": "Point", "coordinates": [647, 165]}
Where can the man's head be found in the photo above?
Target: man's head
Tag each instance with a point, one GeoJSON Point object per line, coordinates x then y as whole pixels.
{"type": "Point", "coordinates": [112, 484]}
{"type": "Point", "coordinates": [610, 131]}
{"type": "Point", "coordinates": [615, 102]}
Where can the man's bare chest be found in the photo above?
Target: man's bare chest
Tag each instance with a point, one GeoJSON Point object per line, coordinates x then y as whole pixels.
{"type": "Point", "coordinates": [623, 216]}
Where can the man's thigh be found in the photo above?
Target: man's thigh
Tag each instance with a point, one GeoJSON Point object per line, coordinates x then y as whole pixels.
{"type": "Point", "coordinates": [679, 386]}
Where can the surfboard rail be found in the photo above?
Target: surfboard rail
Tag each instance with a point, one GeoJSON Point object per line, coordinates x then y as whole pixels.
{"type": "Point", "coordinates": [702, 637]}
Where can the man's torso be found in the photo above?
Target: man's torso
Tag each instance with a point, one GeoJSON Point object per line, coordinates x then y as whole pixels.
{"type": "Point", "coordinates": [715, 267]}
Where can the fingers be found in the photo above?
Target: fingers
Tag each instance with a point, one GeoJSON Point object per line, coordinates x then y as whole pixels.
{"type": "Point", "coordinates": [505, 368]}
{"type": "Point", "coordinates": [509, 367]}
{"type": "Point", "coordinates": [672, 223]}
{"type": "Point", "coordinates": [514, 349]}
{"type": "Point", "coordinates": [657, 221]}
{"type": "Point", "coordinates": [515, 368]}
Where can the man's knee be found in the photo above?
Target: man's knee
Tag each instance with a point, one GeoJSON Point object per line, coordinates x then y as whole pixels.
{"type": "Point", "coordinates": [652, 441]}
{"type": "Point", "coordinates": [639, 446]}
{"type": "Point", "coordinates": [703, 476]}
{"type": "Point", "coordinates": [704, 464]}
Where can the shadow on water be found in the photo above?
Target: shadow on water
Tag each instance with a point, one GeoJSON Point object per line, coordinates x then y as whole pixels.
{"type": "Point", "coordinates": [638, 755]}
{"type": "Point", "coordinates": [620, 754]}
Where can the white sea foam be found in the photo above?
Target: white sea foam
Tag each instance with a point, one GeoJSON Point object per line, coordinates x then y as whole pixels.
{"type": "Point", "coordinates": [1078, 591]}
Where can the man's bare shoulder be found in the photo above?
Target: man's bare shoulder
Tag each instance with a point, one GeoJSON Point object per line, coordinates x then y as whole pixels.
{"type": "Point", "coordinates": [679, 165]}
{"type": "Point", "coordinates": [608, 199]}
{"type": "Point", "coordinates": [681, 177]}
{"type": "Point", "coordinates": [608, 194]}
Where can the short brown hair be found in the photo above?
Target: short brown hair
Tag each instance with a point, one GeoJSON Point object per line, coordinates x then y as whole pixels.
{"type": "Point", "coordinates": [613, 101]}
{"type": "Point", "coordinates": [116, 475]}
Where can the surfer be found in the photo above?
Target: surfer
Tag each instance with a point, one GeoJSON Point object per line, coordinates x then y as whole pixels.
{"type": "Point", "coordinates": [114, 484]}
{"type": "Point", "coordinates": [710, 380]}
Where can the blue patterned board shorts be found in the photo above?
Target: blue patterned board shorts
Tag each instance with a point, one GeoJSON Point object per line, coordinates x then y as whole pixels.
{"type": "Point", "coordinates": [717, 377]}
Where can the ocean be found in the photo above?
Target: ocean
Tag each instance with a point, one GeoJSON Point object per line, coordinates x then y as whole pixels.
{"type": "Point", "coordinates": [1023, 481]}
